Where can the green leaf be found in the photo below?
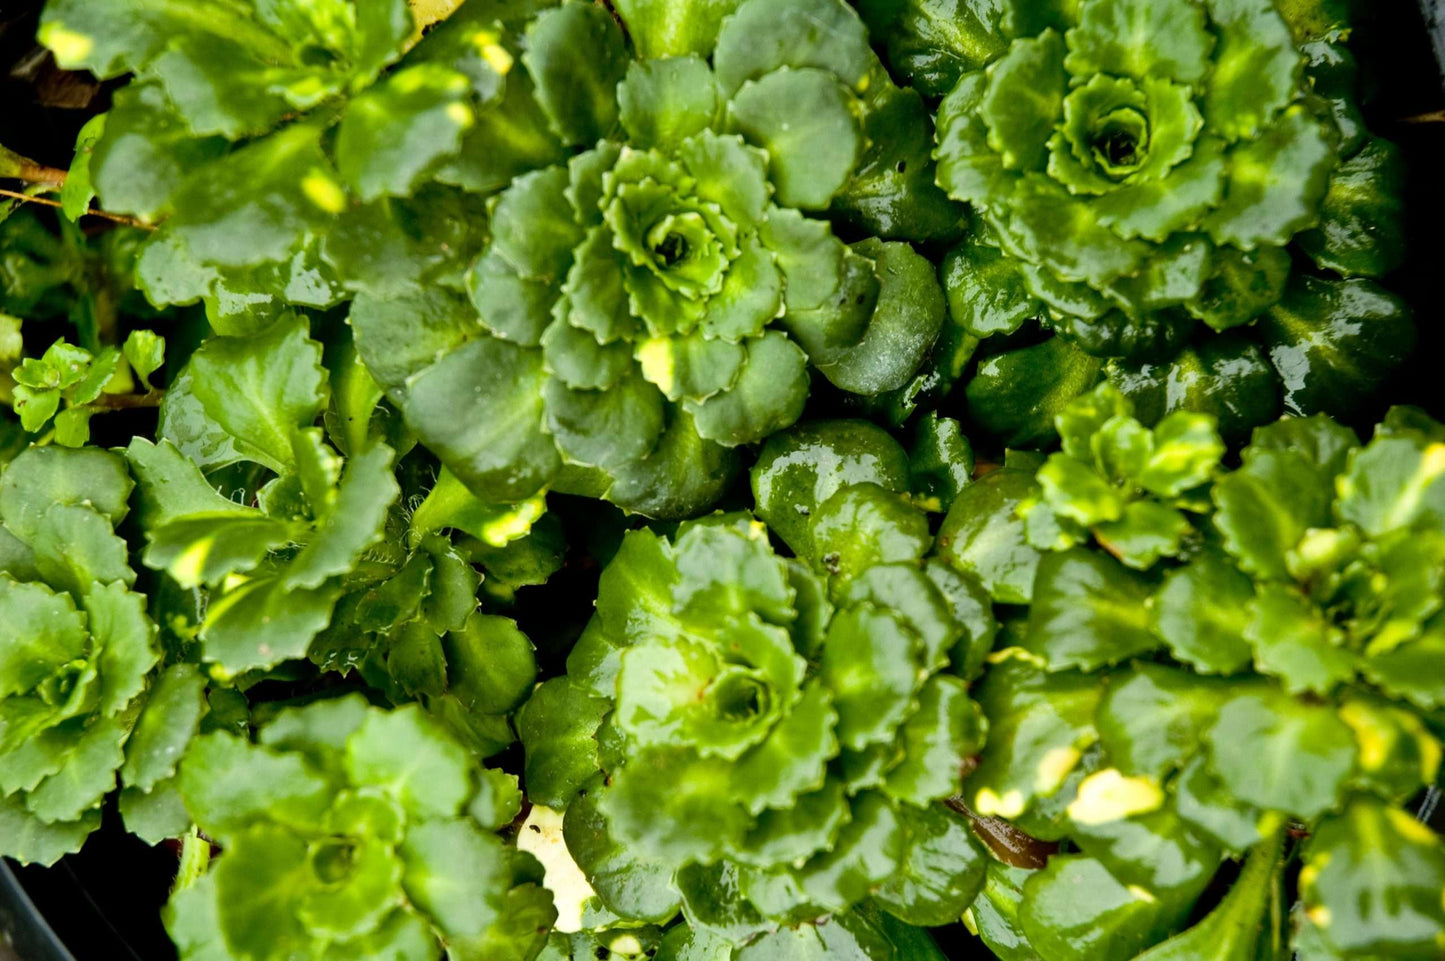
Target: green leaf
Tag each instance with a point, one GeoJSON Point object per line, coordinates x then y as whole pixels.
{"type": "Point", "coordinates": [400, 337]}
{"type": "Point", "coordinates": [1088, 612]}
{"type": "Point", "coordinates": [1024, 99]}
{"type": "Point", "coordinates": [665, 28]}
{"type": "Point", "coordinates": [171, 717]}
{"type": "Point", "coordinates": [86, 776]}
{"type": "Point", "coordinates": [712, 900]}
{"type": "Point", "coordinates": [904, 325]}
{"type": "Point", "coordinates": [941, 873]}
{"type": "Point", "coordinates": [1074, 909]}
{"type": "Point", "coordinates": [1394, 483]}
{"type": "Point", "coordinates": [77, 192]}
{"type": "Point", "coordinates": [1335, 342]}
{"type": "Point", "coordinates": [667, 824]}
{"type": "Point", "coordinates": [46, 633]}
{"type": "Point", "coordinates": [229, 784]}
{"type": "Point", "coordinates": [1236, 930]}
{"type": "Point", "coordinates": [126, 639]}
{"type": "Point", "coordinates": [1276, 182]}
{"type": "Point", "coordinates": [768, 395]}
{"type": "Point", "coordinates": [257, 883]}
{"type": "Point", "coordinates": [410, 756]}
{"type": "Point", "coordinates": [1152, 719]}
{"type": "Point", "coordinates": [1039, 726]}
{"type": "Point", "coordinates": [801, 468]}
{"type": "Point", "coordinates": [1265, 507]}
{"type": "Point", "coordinates": [491, 667]}
{"type": "Point", "coordinates": [1152, 849]}
{"type": "Point", "coordinates": [157, 816]}
{"type": "Point", "coordinates": [1357, 235]}
{"type": "Point", "coordinates": [397, 132]}
{"type": "Point", "coordinates": [807, 122]}
{"type": "Point", "coordinates": [1256, 68]}
{"type": "Point", "coordinates": [868, 851]}
{"type": "Point", "coordinates": [946, 730]}
{"type": "Point", "coordinates": [557, 727]}
{"type": "Point", "coordinates": [145, 351]}
{"type": "Point", "coordinates": [987, 292]}
{"type": "Point", "coordinates": [1279, 753]}
{"type": "Point", "coordinates": [1372, 881]}
{"type": "Point", "coordinates": [454, 407]}
{"type": "Point", "coordinates": [1201, 613]}
{"type": "Point", "coordinates": [457, 875]}
{"type": "Point", "coordinates": [30, 840]}
{"type": "Point", "coordinates": [264, 622]}
{"type": "Point", "coordinates": [1016, 395]}
{"type": "Point", "coordinates": [1208, 807]}
{"type": "Point", "coordinates": [260, 389]}
{"type": "Point", "coordinates": [762, 37]}
{"type": "Point", "coordinates": [576, 56]}
{"type": "Point", "coordinates": [664, 102]}
{"type": "Point", "coordinates": [145, 152]}
{"type": "Point", "coordinates": [1141, 40]}
{"type": "Point", "coordinates": [41, 477]}
{"type": "Point", "coordinates": [983, 535]}
{"type": "Point", "coordinates": [864, 525]}
{"type": "Point", "coordinates": [1294, 642]}
{"type": "Point", "coordinates": [365, 494]}
{"type": "Point", "coordinates": [205, 548]}
{"type": "Point", "coordinates": [626, 881]}
{"type": "Point", "coordinates": [258, 203]}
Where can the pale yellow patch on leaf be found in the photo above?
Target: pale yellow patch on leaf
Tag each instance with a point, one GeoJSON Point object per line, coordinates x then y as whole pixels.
{"type": "Point", "coordinates": [1109, 795]}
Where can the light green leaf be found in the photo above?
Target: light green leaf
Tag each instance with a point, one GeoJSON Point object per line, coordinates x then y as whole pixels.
{"type": "Point", "coordinates": [410, 756]}
{"type": "Point", "coordinates": [261, 389]}
{"type": "Point", "coordinates": [807, 122]}
{"type": "Point", "coordinates": [30, 840]}
{"type": "Point", "coordinates": [171, 717]}
{"type": "Point", "coordinates": [397, 132]}
{"type": "Point", "coordinates": [1201, 614]}
{"type": "Point", "coordinates": [576, 56]}
{"type": "Point", "coordinates": [1088, 612]}
{"type": "Point", "coordinates": [76, 194]}
{"type": "Point", "coordinates": [1279, 753]}
{"type": "Point", "coordinates": [1141, 40]}
{"type": "Point", "coordinates": [1256, 68]}
{"type": "Point", "coordinates": [1372, 881]}
{"type": "Point", "coordinates": [1024, 99]}
{"type": "Point", "coordinates": [664, 102]}
{"type": "Point", "coordinates": [557, 727]}
{"type": "Point", "coordinates": [1276, 182]}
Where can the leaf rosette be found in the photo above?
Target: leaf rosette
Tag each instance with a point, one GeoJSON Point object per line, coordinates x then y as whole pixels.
{"type": "Point", "coordinates": [1143, 174]}
{"type": "Point", "coordinates": [657, 300]}
{"type": "Point", "coordinates": [78, 649]}
{"type": "Point", "coordinates": [351, 831]}
{"type": "Point", "coordinates": [1273, 661]}
{"type": "Point", "coordinates": [773, 732]}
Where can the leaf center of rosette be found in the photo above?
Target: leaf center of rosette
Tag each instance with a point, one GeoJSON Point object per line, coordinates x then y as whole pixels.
{"type": "Point", "coordinates": [1120, 141]}
{"type": "Point", "coordinates": [72, 688]}
{"type": "Point", "coordinates": [333, 860]}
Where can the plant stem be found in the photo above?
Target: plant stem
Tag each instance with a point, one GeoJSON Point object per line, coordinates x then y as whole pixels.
{"type": "Point", "coordinates": [195, 858]}
{"type": "Point", "coordinates": [45, 201]}
{"type": "Point", "coordinates": [16, 167]}
{"type": "Point", "coordinates": [151, 398]}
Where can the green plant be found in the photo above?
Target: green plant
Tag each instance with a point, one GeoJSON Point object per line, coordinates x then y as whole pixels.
{"type": "Point", "coordinates": [1254, 660]}
{"type": "Point", "coordinates": [658, 293]}
{"type": "Point", "coordinates": [538, 516]}
{"type": "Point", "coordinates": [773, 734]}
{"type": "Point", "coordinates": [1151, 193]}
{"type": "Point", "coordinates": [78, 651]}
{"type": "Point", "coordinates": [370, 829]}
